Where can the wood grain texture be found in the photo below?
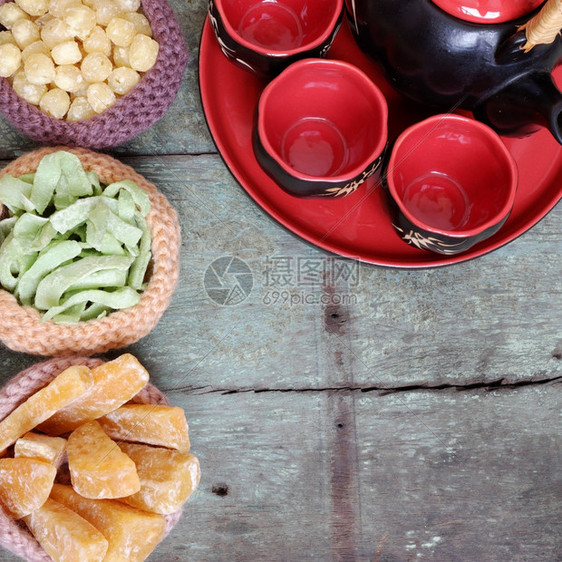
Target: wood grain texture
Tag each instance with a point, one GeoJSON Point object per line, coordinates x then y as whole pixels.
{"type": "Point", "coordinates": [493, 319]}
{"type": "Point", "coordinates": [423, 475]}
{"type": "Point", "coordinates": [417, 418]}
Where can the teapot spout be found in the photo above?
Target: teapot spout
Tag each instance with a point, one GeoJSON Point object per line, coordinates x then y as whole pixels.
{"type": "Point", "coordinates": [523, 106]}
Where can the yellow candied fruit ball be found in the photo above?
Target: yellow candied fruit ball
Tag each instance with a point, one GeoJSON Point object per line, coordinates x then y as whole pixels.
{"type": "Point", "coordinates": [69, 78]}
{"type": "Point", "coordinates": [100, 97]}
{"type": "Point", "coordinates": [123, 79]}
{"type": "Point", "coordinates": [143, 52]}
{"type": "Point", "coordinates": [55, 103]}
{"type": "Point", "coordinates": [58, 7]}
{"type": "Point", "coordinates": [35, 47]}
{"type": "Point", "coordinates": [25, 32]}
{"type": "Point", "coordinates": [67, 52]}
{"type": "Point", "coordinates": [121, 56]}
{"type": "Point", "coordinates": [10, 13]}
{"type": "Point", "coordinates": [55, 31]}
{"type": "Point", "coordinates": [120, 31]}
{"type": "Point", "coordinates": [81, 20]}
{"type": "Point", "coordinates": [34, 7]}
{"type": "Point", "coordinates": [39, 69]}
{"type": "Point", "coordinates": [31, 93]}
{"type": "Point", "coordinates": [96, 67]}
{"type": "Point", "coordinates": [106, 10]}
{"type": "Point", "coordinates": [10, 59]}
{"type": "Point", "coordinates": [7, 37]}
{"type": "Point", "coordinates": [42, 21]}
{"type": "Point", "coordinates": [97, 42]}
{"type": "Point", "coordinates": [140, 21]}
{"type": "Point", "coordinates": [128, 5]}
{"type": "Point", "coordinates": [80, 109]}
{"type": "Point", "coordinates": [82, 92]}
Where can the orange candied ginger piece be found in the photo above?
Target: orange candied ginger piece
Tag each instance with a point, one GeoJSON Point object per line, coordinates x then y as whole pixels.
{"type": "Point", "coordinates": [167, 477]}
{"type": "Point", "coordinates": [25, 485]}
{"type": "Point", "coordinates": [66, 536]}
{"type": "Point", "coordinates": [115, 383]}
{"type": "Point", "coordinates": [39, 446]}
{"type": "Point", "coordinates": [98, 468]}
{"type": "Point", "coordinates": [164, 426]}
{"type": "Point", "coordinates": [65, 388]}
{"type": "Point", "coordinates": [132, 534]}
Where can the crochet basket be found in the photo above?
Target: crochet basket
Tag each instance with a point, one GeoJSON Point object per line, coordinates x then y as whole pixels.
{"type": "Point", "coordinates": [21, 328]}
{"type": "Point", "coordinates": [14, 535]}
{"type": "Point", "coordinates": [131, 114]}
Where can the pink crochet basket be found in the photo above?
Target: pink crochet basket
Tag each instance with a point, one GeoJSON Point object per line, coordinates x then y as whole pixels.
{"type": "Point", "coordinates": [132, 114]}
{"type": "Point", "coordinates": [21, 328]}
{"type": "Point", "coordinates": [14, 535]}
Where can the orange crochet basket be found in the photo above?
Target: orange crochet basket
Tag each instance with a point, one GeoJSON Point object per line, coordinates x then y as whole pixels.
{"type": "Point", "coordinates": [22, 328]}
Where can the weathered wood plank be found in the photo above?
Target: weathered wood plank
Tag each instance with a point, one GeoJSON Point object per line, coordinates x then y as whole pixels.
{"type": "Point", "coordinates": [430, 475]}
{"type": "Point", "coordinates": [497, 317]}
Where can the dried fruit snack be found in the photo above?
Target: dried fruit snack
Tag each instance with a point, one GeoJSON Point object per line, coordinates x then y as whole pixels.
{"type": "Point", "coordinates": [22, 328]}
{"type": "Point", "coordinates": [131, 112]}
{"type": "Point", "coordinates": [43, 52]}
{"type": "Point", "coordinates": [120, 525]}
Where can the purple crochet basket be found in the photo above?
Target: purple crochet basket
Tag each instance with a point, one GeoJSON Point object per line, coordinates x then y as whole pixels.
{"type": "Point", "coordinates": [132, 114]}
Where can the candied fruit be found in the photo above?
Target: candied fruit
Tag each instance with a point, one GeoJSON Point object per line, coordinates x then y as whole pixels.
{"type": "Point", "coordinates": [61, 391]}
{"type": "Point", "coordinates": [10, 59]}
{"type": "Point", "coordinates": [132, 533]}
{"type": "Point", "coordinates": [164, 426]}
{"type": "Point", "coordinates": [167, 477]}
{"type": "Point", "coordinates": [98, 468]}
{"type": "Point", "coordinates": [115, 383]}
{"type": "Point", "coordinates": [143, 52]}
{"type": "Point", "coordinates": [25, 485]}
{"type": "Point", "coordinates": [39, 446]}
{"type": "Point", "coordinates": [66, 536]}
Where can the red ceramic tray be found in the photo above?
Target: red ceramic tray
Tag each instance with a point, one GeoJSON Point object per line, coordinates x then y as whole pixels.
{"type": "Point", "coordinates": [358, 226]}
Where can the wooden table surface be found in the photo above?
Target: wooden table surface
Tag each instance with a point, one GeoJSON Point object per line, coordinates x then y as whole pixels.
{"type": "Point", "coordinates": [414, 417]}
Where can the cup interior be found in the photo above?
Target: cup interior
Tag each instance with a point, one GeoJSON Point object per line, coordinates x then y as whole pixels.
{"type": "Point", "coordinates": [280, 25]}
{"type": "Point", "coordinates": [453, 175]}
{"type": "Point", "coordinates": [323, 119]}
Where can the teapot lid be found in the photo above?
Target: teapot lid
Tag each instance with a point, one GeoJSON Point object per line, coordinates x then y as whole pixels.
{"type": "Point", "coordinates": [488, 11]}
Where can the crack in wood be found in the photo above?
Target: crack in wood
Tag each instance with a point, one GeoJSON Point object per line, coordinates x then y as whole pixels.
{"type": "Point", "coordinates": [498, 384]}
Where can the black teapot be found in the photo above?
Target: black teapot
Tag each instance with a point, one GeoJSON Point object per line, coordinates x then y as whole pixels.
{"type": "Point", "coordinates": [444, 61]}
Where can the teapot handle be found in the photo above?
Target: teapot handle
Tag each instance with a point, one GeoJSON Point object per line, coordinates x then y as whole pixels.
{"type": "Point", "coordinates": [545, 26]}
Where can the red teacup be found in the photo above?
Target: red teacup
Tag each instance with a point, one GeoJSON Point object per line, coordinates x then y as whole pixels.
{"type": "Point", "coordinates": [321, 128]}
{"type": "Point", "coordinates": [265, 36]}
{"type": "Point", "coordinates": [453, 181]}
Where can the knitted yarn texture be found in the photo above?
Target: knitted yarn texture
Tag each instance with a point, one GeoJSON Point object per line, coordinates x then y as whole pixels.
{"type": "Point", "coordinates": [14, 535]}
{"type": "Point", "coordinates": [131, 114]}
{"type": "Point", "coordinates": [21, 328]}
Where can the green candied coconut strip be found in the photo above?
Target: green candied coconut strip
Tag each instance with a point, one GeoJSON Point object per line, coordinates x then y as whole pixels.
{"type": "Point", "coordinates": [99, 279]}
{"type": "Point", "coordinates": [74, 215]}
{"type": "Point", "coordinates": [13, 259]}
{"type": "Point", "coordinates": [27, 177]}
{"type": "Point", "coordinates": [59, 177]}
{"type": "Point", "coordinates": [29, 226]}
{"type": "Point", "coordinates": [140, 265]}
{"type": "Point", "coordinates": [15, 194]}
{"type": "Point", "coordinates": [139, 195]}
{"type": "Point", "coordinates": [51, 288]}
{"type": "Point", "coordinates": [124, 297]}
{"type": "Point", "coordinates": [6, 226]}
{"type": "Point", "coordinates": [53, 257]}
